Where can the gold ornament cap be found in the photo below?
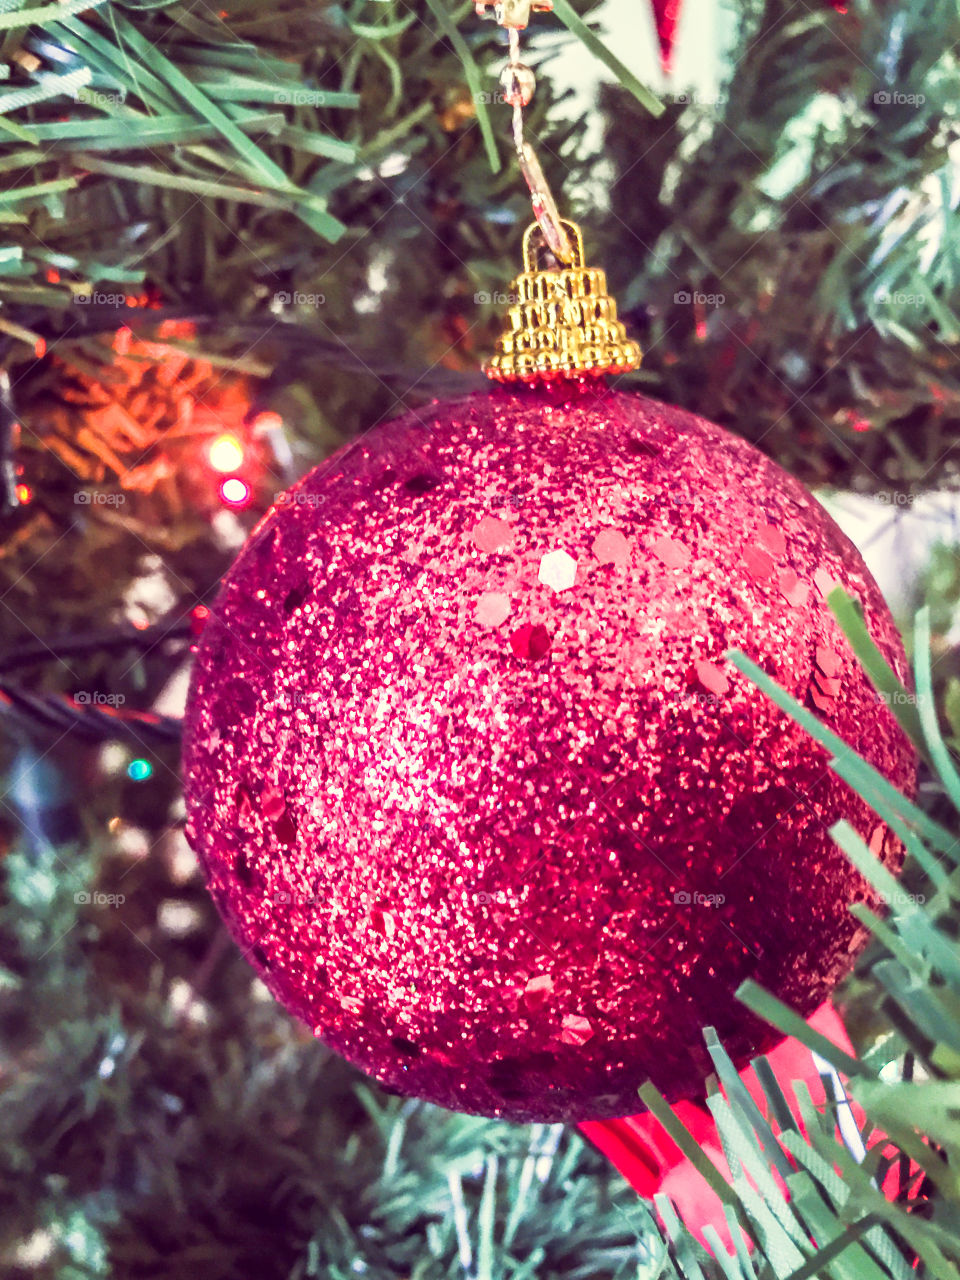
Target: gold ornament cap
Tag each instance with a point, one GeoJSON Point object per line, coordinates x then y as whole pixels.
{"type": "Point", "coordinates": [562, 322]}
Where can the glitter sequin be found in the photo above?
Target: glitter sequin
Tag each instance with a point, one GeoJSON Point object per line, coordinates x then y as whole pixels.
{"type": "Point", "coordinates": [510, 846]}
{"type": "Point", "coordinates": [490, 534]}
{"type": "Point", "coordinates": [493, 607]}
{"type": "Point", "coordinates": [557, 570]}
{"type": "Point", "coordinates": [611, 547]}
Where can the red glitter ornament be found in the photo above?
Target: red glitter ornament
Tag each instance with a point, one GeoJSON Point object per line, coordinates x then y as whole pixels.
{"type": "Point", "coordinates": [473, 783]}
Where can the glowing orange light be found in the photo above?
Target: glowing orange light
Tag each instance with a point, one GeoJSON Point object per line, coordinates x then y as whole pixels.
{"type": "Point", "coordinates": [53, 275]}
{"type": "Point", "coordinates": [235, 492]}
{"type": "Point", "coordinates": [24, 494]}
{"type": "Point", "coordinates": [40, 348]}
{"type": "Point", "coordinates": [226, 453]}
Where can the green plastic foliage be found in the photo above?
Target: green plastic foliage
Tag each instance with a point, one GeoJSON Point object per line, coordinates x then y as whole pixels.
{"type": "Point", "coordinates": [225, 109]}
{"type": "Point", "coordinates": [789, 241]}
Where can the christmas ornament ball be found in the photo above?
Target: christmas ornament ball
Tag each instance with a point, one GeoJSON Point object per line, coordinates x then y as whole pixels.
{"type": "Point", "coordinates": [472, 781]}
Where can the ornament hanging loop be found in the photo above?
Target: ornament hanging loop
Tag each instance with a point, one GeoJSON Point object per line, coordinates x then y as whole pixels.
{"type": "Point", "coordinates": [519, 82]}
{"type": "Point", "coordinates": [531, 249]}
{"type": "Point", "coordinates": [562, 323]}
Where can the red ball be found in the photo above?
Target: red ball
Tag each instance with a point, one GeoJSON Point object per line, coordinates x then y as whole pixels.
{"type": "Point", "coordinates": [473, 783]}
